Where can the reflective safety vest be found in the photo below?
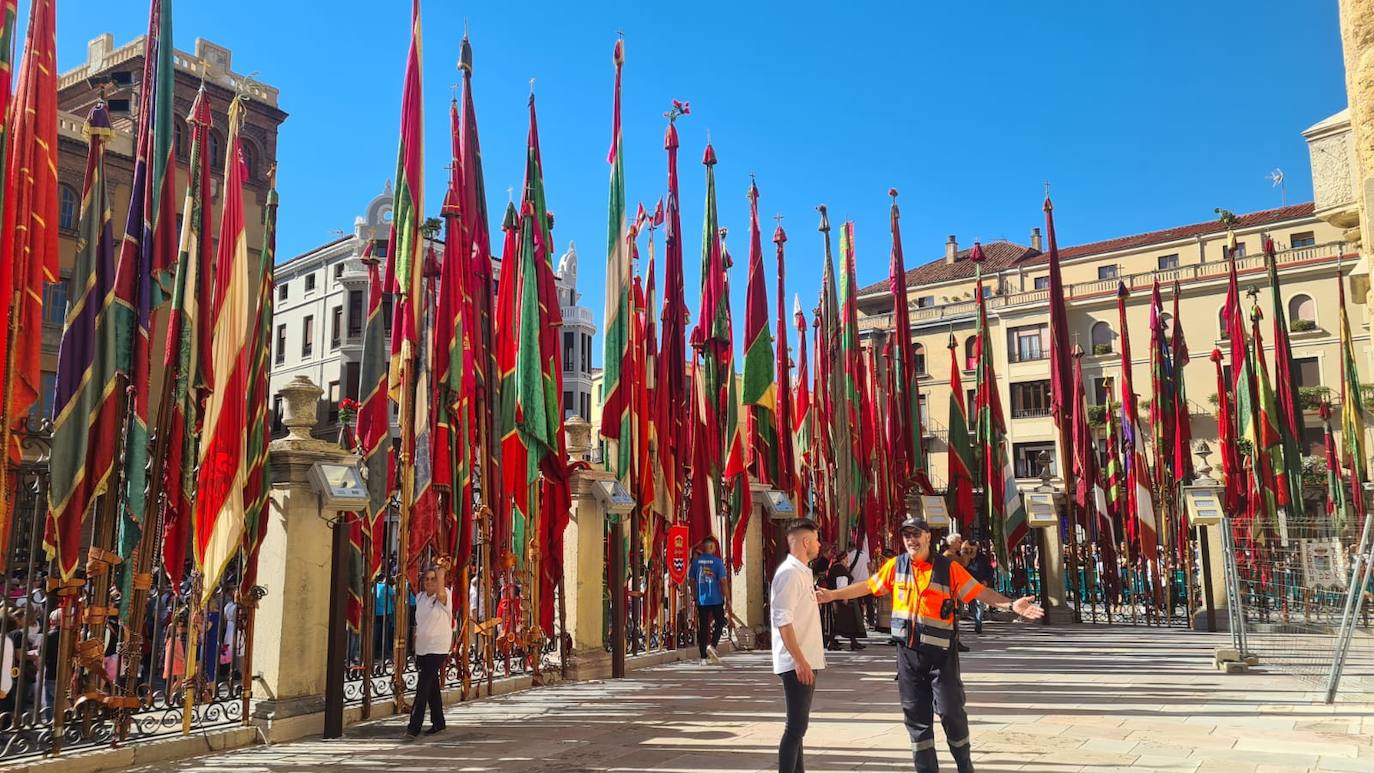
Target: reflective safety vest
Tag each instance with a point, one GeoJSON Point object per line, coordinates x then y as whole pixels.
{"type": "Point", "coordinates": [923, 612]}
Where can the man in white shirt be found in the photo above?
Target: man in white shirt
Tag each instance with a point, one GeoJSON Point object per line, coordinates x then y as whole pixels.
{"type": "Point", "coordinates": [433, 640]}
{"type": "Point", "coordinates": [798, 650]}
{"type": "Point", "coordinates": [858, 560]}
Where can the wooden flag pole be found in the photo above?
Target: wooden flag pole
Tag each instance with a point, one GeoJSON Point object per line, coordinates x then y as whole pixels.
{"type": "Point", "coordinates": [190, 682]}
{"type": "Point", "coordinates": [248, 612]}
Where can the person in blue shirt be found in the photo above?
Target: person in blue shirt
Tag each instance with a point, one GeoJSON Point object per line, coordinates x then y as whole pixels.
{"type": "Point", "coordinates": [708, 575]}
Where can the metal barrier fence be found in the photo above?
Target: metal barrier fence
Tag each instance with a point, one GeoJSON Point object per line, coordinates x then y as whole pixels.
{"type": "Point", "coordinates": [1300, 584]}
{"type": "Point", "coordinates": [30, 635]}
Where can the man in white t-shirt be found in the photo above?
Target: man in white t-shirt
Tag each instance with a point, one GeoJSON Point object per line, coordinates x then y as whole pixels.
{"type": "Point", "coordinates": [858, 560]}
{"type": "Point", "coordinates": [798, 649]}
{"type": "Point", "coordinates": [433, 640]}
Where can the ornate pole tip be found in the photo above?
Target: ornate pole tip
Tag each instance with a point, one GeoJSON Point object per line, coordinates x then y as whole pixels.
{"type": "Point", "coordinates": [893, 193]}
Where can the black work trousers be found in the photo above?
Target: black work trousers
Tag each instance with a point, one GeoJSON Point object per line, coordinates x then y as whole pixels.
{"type": "Point", "coordinates": [428, 693]}
{"type": "Point", "coordinates": [706, 613]}
{"type": "Point", "coordinates": [931, 685]}
{"type": "Point", "coordinates": [797, 697]}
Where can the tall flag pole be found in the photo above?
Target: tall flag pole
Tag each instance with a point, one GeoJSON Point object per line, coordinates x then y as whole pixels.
{"type": "Point", "coordinates": [787, 472]}
{"type": "Point", "coordinates": [674, 404]}
{"type": "Point", "coordinates": [85, 422]}
{"type": "Point", "coordinates": [186, 357]}
{"type": "Point", "coordinates": [712, 340]}
{"type": "Point", "coordinates": [1232, 474]}
{"type": "Point", "coordinates": [478, 305]}
{"type": "Point", "coordinates": [822, 456]}
{"type": "Point", "coordinates": [28, 231]}
{"type": "Point", "coordinates": [1182, 451]}
{"type": "Point", "coordinates": [1269, 466]}
{"type": "Point", "coordinates": [615, 378]}
{"type": "Point", "coordinates": [760, 389]}
{"type": "Point", "coordinates": [404, 278]}
{"type": "Point", "coordinates": [851, 380]}
{"type": "Point", "coordinates": [1352, 411]}
{"type": "Point", "coordinates": [1289, 418]}
{"type": "Point", "coordinates": [909, 462]}
{"type": "Point", "coordinates": [959, 483]}
{"type": "Point", "coordinates": [1241, 386]}
{"type": "Point", "coordinates": [1162, 413]}
{"type": "Point", "coordinates": [374, 412]}
{"type": "Point", "coordinates": [834, 437]}
{"type": "Point", "coordinates": [801, 423]}
{"type": "Point", "coordinates": [453, 367]}
{"type": "Point", "coordinates": [147, 250]}
{"type": "Point", "coordinates": [1139, 504]}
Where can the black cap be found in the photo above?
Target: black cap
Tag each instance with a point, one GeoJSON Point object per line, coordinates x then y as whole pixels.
{"type": "Point", "coordinates": [914, 523]}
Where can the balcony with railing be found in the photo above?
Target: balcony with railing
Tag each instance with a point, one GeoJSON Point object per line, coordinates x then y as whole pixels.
{"type": "Point", "coordinates": [1141, 281]}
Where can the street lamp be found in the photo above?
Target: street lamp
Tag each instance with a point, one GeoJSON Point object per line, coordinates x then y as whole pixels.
{"type": "Point", "coordinates": [1203, 498]}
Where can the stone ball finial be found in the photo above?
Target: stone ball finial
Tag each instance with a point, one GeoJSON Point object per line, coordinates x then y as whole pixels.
{"type": "Point", "coordinates": [302, 399]}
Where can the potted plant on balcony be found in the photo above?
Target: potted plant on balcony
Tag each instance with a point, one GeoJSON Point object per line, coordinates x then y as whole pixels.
{"type": "Point", "coordinates": [1100, 349]}
{"type": "Point", "coordinates": [1302, 325]}
{"type": "Point", "coordinates": [1311, 398]}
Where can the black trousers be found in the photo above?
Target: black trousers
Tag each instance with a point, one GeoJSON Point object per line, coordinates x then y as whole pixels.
{"type": "Point", "coordinates": [931, 685]}
{"type": "Point", "coordinates": [797, 698]}
{"type": "Point", "coordinates": [427, 693]}
{"type": "Point", "coordinates": [705, 614]}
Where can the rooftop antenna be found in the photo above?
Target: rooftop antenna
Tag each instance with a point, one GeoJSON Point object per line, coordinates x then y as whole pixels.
{"type": "Point", "coordinates": [1276, 177]}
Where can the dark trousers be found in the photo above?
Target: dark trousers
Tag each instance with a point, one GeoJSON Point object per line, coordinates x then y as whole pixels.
{"type": "Point", "coordinates": [797, 697]}
{"type": "Point", "coordinates": [931, 685]}
{"type": "Point", "coordinates": [705, 614]}
{"type": "Point", "coordinates": [427, 693]}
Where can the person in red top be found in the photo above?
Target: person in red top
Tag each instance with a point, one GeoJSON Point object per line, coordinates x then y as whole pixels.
{"type": "Point", "coordinates": [926, 588]}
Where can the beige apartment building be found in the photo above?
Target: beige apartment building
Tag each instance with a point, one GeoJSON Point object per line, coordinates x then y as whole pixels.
{"type": "Point", "coordinates": [1315, 252]}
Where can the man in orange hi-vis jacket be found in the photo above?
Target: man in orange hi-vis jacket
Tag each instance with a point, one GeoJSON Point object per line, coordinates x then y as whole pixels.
{"type": "Point", "coordinates": [926, 588]}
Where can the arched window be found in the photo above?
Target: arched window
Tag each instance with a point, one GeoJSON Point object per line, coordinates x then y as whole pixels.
{"type": "Point", "coordinates": [216, 151]}
{"type": "Point", "coordinates": [970, 344]}
{"type": "Point", "coordinates": [179, 138]}
{"type": "Point", "coordinates": [1102, 336]}
{"type": "Point", "coordinates": [1302, 312]}
{"type": "Point", "coordinates": [70, 209]}
{"type": "Point", "coordinates": [919, 355]}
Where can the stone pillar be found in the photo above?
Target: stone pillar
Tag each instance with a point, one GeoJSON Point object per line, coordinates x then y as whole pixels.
{"type": "Point", "coordinates": [1357, 43]}
{"type": "Point", "coordinates": [746, 586]}
{"type": "Point", "coordinates": [584, 559]}
{"type": "Point", "coordinates": [293, 619]}
{"type": "Point", "coordinates": [1216, 557]}
{"type": "Point", "coordinates": [1054, 579]}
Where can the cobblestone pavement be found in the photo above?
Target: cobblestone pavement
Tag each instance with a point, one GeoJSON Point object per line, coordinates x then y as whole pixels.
{"type": "Point", "coordinates": [1053, 699]}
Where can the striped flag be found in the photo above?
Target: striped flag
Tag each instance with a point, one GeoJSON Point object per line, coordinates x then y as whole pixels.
{"type": "Point", "coordinates": [28, 229]}
{"type": "Point", "coordinates": [405, 248]}
{"type": "Point", "coordinates": [85, 420]}
{"type": "Point", "coordinates": [801, 420]}
{"type": "Point", "coordinates": [1336, 506]}
{"type": "Point", "coordinates": [849, 409]}
{"type": "Point", "coordinates": [909, 459]}
{"type": "Point", "coordinates": [454, 368]}
{"type": "Point", "coordinates": [374, 414]}
{"type": "Point", "coordinates": [1006, 515]}
{"type": "Point", "coordinates": [712, 338]}
{"type": "Point", "coordinates": [959, 486]}
{"type": "Point", "coordinates": [787, 471]}
{"type": "Point", "coordinates": [1140, 508]}
{"type": "Point", "coordinates": [760, 391]}
{"type": "Point", "coordinates": [224, 463]}
{"type": "Point", "coordinates": [146, 253]}
{"type": "Point", "coordinates": [616, 378]}
{"type": "Point", "coordinates": [674, 399]}
{"type": "Point", "coordinates": [259, 407]}
{"type": "Point", "coordinates": [1266, 444]}
{"type": "Point", "coordinates": [832, 433]}
{"type": "Point", "coordinates": [1288, 418]}
{"type": "Point", "coordinates": [186, 358]}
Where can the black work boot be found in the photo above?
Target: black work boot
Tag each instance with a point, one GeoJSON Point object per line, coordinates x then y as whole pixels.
{"type": "Point", "coordinates": [963, 757]}
{"type": "Point", "coordinates": [926, 760]}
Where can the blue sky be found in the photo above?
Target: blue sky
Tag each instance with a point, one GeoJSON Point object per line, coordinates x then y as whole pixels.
{"type": "Point", "coordinates": [1143, 116]}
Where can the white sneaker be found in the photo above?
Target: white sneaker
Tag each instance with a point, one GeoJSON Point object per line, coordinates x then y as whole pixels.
{"type": "Point", "coordinates": [712, 654]}
{"type": "Point", "coordinates": [705, 662]}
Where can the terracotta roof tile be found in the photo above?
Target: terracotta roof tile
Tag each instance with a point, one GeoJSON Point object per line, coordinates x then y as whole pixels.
{"type": "Point", "coordinates": [1002, 255]}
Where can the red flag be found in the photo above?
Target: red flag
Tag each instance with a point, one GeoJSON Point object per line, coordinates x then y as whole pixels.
{"type": "Point", "coordinates": [786, 452]}
{"type": "Point", "coordinates": [1061, 373]}
{"type": "Point", "coordinates": [28, 230]}
{"type": "Point", "coordinates": [674, 404]}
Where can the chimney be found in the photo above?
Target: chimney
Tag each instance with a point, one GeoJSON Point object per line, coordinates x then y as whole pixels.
{"type": "Point", "coordinates": [1036, 243]}
{"type": "Point", "coordinates": [951, 249]}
